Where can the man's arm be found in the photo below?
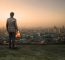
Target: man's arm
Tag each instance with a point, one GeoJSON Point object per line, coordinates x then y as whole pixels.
{"type": "Point", "coordinates": [16, 25]}
{"type": "Point", "coordinates": [7, 25]}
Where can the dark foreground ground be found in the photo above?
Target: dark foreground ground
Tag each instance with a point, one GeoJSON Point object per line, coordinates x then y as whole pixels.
{"type": "Point", "coordinates": [33, 52]}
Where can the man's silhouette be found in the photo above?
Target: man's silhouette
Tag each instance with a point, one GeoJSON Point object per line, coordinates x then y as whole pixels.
{"type": "Point", "coordinates": [11, 26]}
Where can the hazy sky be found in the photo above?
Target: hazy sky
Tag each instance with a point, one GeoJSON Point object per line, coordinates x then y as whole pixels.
{"type": "Point", "coordinates": [34, 13]}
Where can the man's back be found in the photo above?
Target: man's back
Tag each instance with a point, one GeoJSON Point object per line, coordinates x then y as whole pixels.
{"type": "Point", "coordinates": [11, 24]}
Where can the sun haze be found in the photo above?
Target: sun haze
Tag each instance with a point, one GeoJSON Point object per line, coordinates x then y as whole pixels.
{"type": "Point", "coordinates": [33, 13]}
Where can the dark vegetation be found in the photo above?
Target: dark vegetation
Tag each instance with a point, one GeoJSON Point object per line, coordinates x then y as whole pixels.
{"type": "Point", "coordinates": [33, 52]}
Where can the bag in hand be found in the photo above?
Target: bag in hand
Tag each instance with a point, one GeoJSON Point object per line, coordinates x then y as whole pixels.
{"type": "Point", "coordinates": [18, 35]}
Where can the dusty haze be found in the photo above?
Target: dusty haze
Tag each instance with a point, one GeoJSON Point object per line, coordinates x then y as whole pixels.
{"type": "Point", "coordinates": [33, 13]}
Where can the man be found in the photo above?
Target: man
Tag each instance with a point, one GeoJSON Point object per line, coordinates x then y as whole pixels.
{"type": "Point", "coordinates": [11, 26]}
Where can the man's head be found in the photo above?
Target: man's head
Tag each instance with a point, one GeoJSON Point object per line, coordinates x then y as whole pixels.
{"type": "Point", "coordinates": [12, 14]}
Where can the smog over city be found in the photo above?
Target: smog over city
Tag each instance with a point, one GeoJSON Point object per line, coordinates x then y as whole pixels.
{"type": "Point", "coordinates": [34, 13]}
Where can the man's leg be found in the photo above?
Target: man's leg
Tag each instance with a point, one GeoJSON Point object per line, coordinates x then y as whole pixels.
{"type": "Point", "coordinates": [13, 43]}
{"type": "Point", "coordinates": [10, 40]}
{"type": "Point", "coordinates": [13, 40]}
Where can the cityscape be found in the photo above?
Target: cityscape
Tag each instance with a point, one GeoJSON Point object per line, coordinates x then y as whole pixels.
{"type": "Point", "coordinates": [54, 35]}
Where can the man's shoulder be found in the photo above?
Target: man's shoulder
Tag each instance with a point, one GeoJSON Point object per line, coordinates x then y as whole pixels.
{"type": "Point", "coordinates": [14, 18]}
{"type": "Point", "coordinates": [8, 18]}
{"type": "Point", "coordinates": [11, 18]}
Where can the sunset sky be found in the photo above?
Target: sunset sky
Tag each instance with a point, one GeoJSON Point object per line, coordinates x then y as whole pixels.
{"type": "Point", "coordinates": [33, 13]}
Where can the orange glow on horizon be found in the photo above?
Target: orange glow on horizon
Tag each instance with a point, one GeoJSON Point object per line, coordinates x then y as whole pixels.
{"type": "Point", "coordinates": [29, 16]}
